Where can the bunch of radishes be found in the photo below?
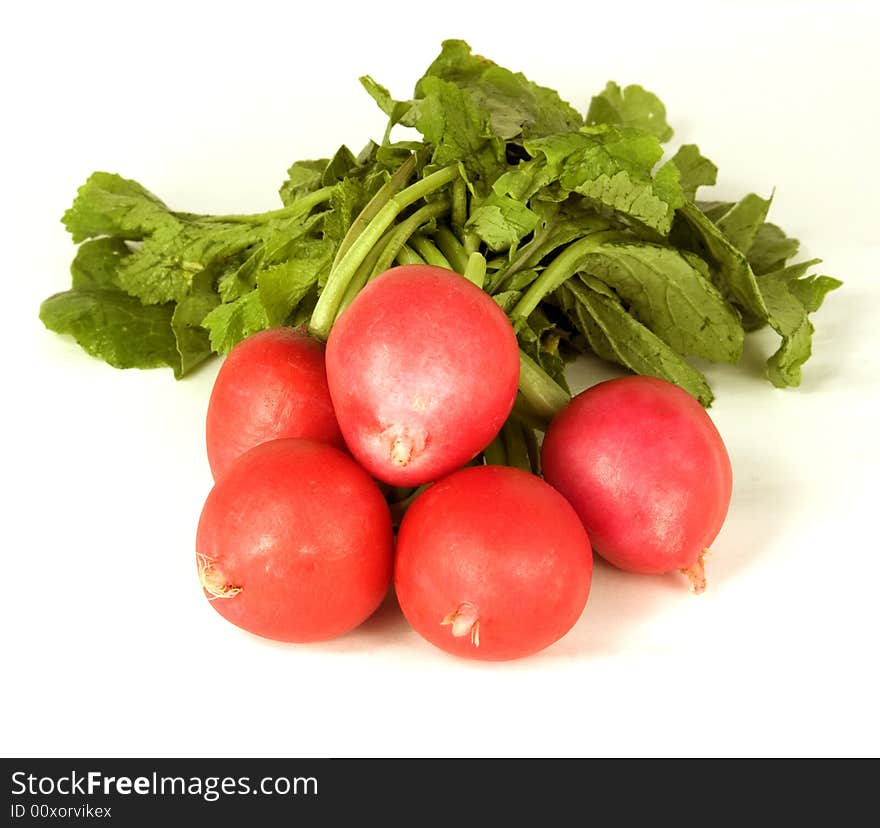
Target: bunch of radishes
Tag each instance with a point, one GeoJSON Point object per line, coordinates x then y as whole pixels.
{"type": "Point", "coordinates": [295, 540]}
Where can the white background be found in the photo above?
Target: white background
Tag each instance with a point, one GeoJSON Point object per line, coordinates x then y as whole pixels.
{"type": "Point", "coordinates": [109, 647]}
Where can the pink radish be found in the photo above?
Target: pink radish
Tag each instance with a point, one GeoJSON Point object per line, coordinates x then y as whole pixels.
{"type": "Point", "coordinates": [492, 564]}
{"type": "Point", "coordinates": [271, 385]}
{"type": "Point", "coordinates": [645, 468]}
{"type": "Point", "coordinates": [423, 369]}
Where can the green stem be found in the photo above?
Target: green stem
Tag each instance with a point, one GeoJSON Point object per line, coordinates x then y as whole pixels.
{"type": "Point", "coordinates": [533, 449]}
{"type": "Point", "coordinates": [407, 256]}
{"type": "Point", "coordinates": [562, 268]}
{"type": "Point", "coordinates": [403, 231]}
{"type": "Point", "coordinates": [542, 244]}
{"type": "Point", "coordinates": [429, 252]}
{"type": "Point", "coordinates": [451, 247]}
{"type": "Point", "coordinates": [494, 453]}
{"type": "Point", "coordinates": [393, 185]}
{"type": "Point", "coordinates": [399, 507]}
{"type": "Point", "coordinates": [471, 242]}
{"type": "Point", "coordinates": [526, 415]}
{"type": "Point", "coordinates": [362, 274]}
{"type": "Point", "coordinates": [519, 263]}
{"type": "Point", "coordinates": [337, 282]}
{"type": "Point", "coordinates": [459, 205]}
{"type": "Point", "coordinates": [300, 206]}
{"type": "Point", "coordinates": [544, 396]}
{"type": "Point", "coordinates": [515, 445]}
{"type": "Point", "coordinates": [475, 271]}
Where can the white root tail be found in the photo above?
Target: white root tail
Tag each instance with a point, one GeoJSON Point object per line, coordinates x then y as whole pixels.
{"type": "Point", "coordinates": [696, 574]}
{"type": "Point", "coordinates": [213, 581]}
{"type": "Point", "coordinates": [464, 621]}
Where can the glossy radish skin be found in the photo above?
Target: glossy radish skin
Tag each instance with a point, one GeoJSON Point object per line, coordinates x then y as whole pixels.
{"type": "Point", "coordinates": [645, 468]}
{"type": "Point", "coordinates": [423, 369]}
{"type": "Point", "coordinates": [272, 385]}
{"type": "Point", "coordinates": [492, 564]}
{"type": "Point", "coordinates": [294, 542]}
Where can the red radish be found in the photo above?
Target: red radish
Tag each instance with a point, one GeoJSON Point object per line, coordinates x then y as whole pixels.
{"type": "Point", "coordinates": [645, 468]}
{"type": "Point", "coordinates": [271, 385]}
{"type": "Point", "coordinates": [492, 564]}
{"type": "Point", "coordinates": [294, 542]}
{"type": "Point", "coordinates": [423, 368]}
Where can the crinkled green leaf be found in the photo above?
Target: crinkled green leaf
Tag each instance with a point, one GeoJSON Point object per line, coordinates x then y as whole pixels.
{"type": "Point", "coordinates": [733, 274]}
{"type": "Point", "coordinates": [667, 294]}
{"type": "Point", "coordinates": [643, 202]}
{"type": "Point", "coordinates": [191, 337]}
{"type": "Point", "coordinates": [110, 205]}
{"type": "Point", "coordinates": [632, 106]}
{"type": "Point", "coordinates": [741, 222]}
{"type": "Point", "coordinates": [501, 221]}
{"type": "Point", "coordinates": [771, 249]}
{"type": "Point", "coordinates": [617, 336]}
{"type": "Point", "coordinates": [398, 112]}
{"type": "Point", "coordinates": [611, 166]}
{"type": "Point", "coordinates": [96, 263]}
{"type": "Point", "coordinates": [303, 177]}
{"type": "Point", "coordinates": [164, 268]}
{"type": "Point", "coordinates": [229, 323]}
{"type": "Point", "coordinates": [338, 167]}
{"type": "Point", "coordinates": [284, 285]}
{"type": "Point", "coordinates": [713, 210]}
{"type": "Point", "coordinates": [766, 245]}
{"type": "Point", "coordinates": [348, 199]}
{"type": "Point", "coordinates": [812, 290]}
{"type": "Point", "coordinates": [115, 327]}
{"type": "Point", "coordinates": [790, 297]}
{"type": "Point", "coordinates": [449, 119]}
{"type": "Point", "coordinates": [549, 156]}
{"type": "Point", "coordinates": [277, 241]}
{"type": "Point", "coordinates": [695, 170]}
{"type": "Point", "coordinates": [514, 105]}
{"type": "Point", "coordinates": [379, 94]}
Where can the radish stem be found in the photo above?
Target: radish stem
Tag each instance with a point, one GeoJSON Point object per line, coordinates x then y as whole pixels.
{"type": "Point", "coordinates": [459, 205]}
{"type": "Point", "coordinates": [337, 283]}
{"type": "Point", "coordinates": [533, 449]}
{"type": "Point", "coordinates": [452, 248]}
{"type": "Point", "coordinates": [526, 415]}
{"type": "Point", "coordinates": [471, 242]}
{"type": "Point", "coordinates": [562, 268]}
{"type": "Point", "coordinates": [543, 396]}
{"type": "Point", "coordinates": [515, 445]}
{"type": "Point", "coordinates": [407, 256]}
{"type": "Point", "coordinates": [300, 206]}
{"type": "Point", "coordinates": [429, 252]}
{"type": "Point", "coordinates": [475, 271]}
{"type": "Point", "coordinates": [393, 185]}
{"type": "Point", "coordinates": [403, 231]}
{"type": "Point", "coordinates": [494, 453]}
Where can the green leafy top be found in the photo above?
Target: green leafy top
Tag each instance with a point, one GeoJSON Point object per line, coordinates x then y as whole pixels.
{"type": "Point", "coordinates": [516, 107]}
{"type": "Point", "coordinates": [609, 165]}
{"type": "Point", "coordinates": [633, 106]}
{"type": "Point", "coordinates": [577, 226]}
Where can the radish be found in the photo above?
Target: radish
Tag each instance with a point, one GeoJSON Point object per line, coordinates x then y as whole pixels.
{"type": "Point", "coordinates": [423, 369]}
{"type": "Point", "coordinates": [294, 542]}
{"type": "Point", "coordinates": [272, 385]}
{"type": "Point", "coordinates": [645, 468]}
{"type": "Point", "coordinates": [492, 564]}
